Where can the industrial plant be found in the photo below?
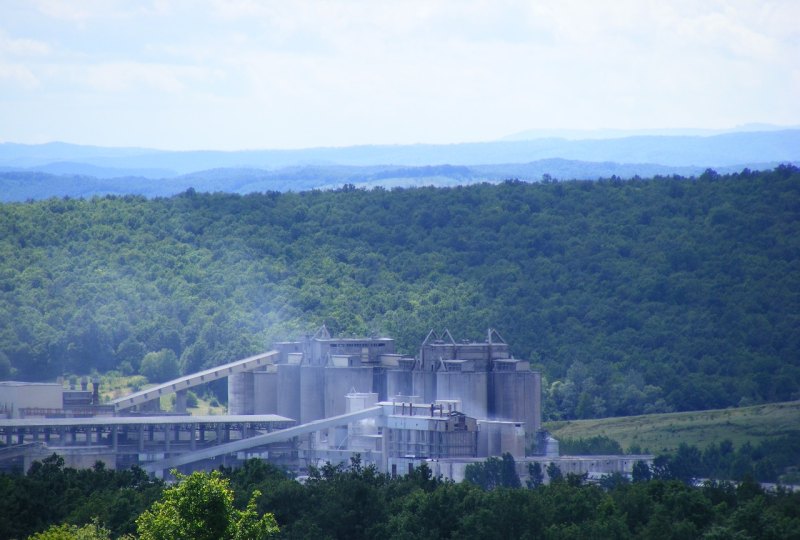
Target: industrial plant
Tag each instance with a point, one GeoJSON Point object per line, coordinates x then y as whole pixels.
{"type": "Point", "coordinates": [306, 402]}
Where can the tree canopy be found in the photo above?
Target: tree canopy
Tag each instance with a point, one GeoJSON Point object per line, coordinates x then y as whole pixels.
{"type": "Point", "coordinates": [200, 507]}
{"type": "Point", "coordinates": [357, 502]}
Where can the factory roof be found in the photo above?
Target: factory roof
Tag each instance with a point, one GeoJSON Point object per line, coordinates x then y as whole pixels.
{"type": "Point", "coordinates": [144, 420]}
{"type": "Point", "coordinates": [26, 383]}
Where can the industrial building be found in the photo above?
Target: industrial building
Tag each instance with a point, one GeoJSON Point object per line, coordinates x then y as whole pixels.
{"type": "Point", "coordinates": [307, 402]}
{"type": "Point", "coordinates": [311, 378]}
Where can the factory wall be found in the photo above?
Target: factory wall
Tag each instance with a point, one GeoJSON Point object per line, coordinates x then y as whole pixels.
{"type": "Point", "coordinates": [340, 381]}
{"type": "Point", "coordinates": [424, 385]}
{"type": "Point", "coordinates": [20, 395]}
{"type": "Point", "coordinates": [470, 387]}
{"type": "Point", "coordinates": [496, 438]}
{"type": "Point", "coordinates": [399, 382]}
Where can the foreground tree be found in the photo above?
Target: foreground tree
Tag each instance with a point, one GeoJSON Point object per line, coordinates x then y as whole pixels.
{"type": "Point", "coordinates": [200, 507]}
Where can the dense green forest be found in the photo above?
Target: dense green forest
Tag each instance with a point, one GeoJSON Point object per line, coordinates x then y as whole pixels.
{"type": "Point", "coordinates": [356, 502]}
{"type": "Point", "coordinates": [646, 295]}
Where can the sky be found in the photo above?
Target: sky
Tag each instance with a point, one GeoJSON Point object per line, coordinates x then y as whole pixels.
{"type": "Point", "coordinates": [242, 74]}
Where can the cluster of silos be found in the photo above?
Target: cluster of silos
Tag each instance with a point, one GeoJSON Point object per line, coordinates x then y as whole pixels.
{"type": "Point", "coordinates": [313, 377]}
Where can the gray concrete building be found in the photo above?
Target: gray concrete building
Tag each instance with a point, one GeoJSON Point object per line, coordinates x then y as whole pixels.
{"type": "Point", "coordinates": [312, 376]}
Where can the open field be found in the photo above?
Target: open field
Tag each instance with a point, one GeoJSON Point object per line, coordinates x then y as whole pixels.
{"type": "Point", "coordinates": [114, 386]}
{"type": "Point", "coordinates": [664, 432]}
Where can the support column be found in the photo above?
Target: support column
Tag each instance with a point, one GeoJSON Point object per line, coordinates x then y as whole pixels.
{"type": "Point", "coordinates": [141, 438]}
{"type": "Point", "coordinates": [114, 438]}
{"type": "Point", "coordinates": [192, 436]}
{"type": "Point", "coordinates": [180, 400]}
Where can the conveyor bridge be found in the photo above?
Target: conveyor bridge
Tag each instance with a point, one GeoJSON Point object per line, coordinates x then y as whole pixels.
{"type": "Point", "coordinates": [260, 440]}
{"type": "Point", "coordinates": [201, 377]}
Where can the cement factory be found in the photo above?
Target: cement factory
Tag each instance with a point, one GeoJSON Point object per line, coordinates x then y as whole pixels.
{"type": "Point", "coordinates": [319, 399]}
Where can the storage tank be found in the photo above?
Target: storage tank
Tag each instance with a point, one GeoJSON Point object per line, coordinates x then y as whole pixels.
{"type": "Point", "coordinates": [536, 385]}
{"type": "Point", "coordinates": [241, 393]}
{"type": "Point", "coordinates": [265, 384]}
{"type": "Point", "coordinates": [515, 393]}
{"type": "Point", "coordinates": [312, 393]}
{"type": "Point", "coordinates": [289, 391]}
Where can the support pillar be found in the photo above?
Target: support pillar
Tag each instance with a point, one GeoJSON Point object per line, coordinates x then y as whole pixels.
{"type": "Point", "coordinates": [192, 437]}
{"type": "Point", "coordinates": [141, 438]}
{"type": "Point", "coordinates": [180, 400]}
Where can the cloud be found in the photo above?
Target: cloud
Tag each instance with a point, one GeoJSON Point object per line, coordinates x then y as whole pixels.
{"type": "Point", "coordinates": [302, 73]}
{"type": "Point", "coordinates": [81, 11]}
{"type": "Point", "coordinates": [120, 77]}
{"type": "Point", "coordinates": [18, 75]}
{"type": "Point", "coordinates": [22, 46]}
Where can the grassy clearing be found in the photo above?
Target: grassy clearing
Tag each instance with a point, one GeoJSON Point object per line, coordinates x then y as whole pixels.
{"type": "Point", "coordinates": [664, 432]}
{"type": "Point", "coordinates": [113, 385]}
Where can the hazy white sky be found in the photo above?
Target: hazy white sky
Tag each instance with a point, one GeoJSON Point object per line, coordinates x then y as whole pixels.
{"type": "Point", "coordinates": [259, 74]}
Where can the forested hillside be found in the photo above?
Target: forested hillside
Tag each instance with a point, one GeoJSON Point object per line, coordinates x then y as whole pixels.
{"type": "Point", "coordinates": [631, 296]}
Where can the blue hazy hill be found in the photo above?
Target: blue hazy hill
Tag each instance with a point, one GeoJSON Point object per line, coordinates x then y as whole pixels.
{"type": "Point", "coordinates": [61, 169]}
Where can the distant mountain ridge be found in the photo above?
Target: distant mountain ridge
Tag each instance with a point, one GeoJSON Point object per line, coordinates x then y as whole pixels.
{"type": "Point", "coordinates": [61, 169]}
{"type": "Point", "coordinates": [23, 185]}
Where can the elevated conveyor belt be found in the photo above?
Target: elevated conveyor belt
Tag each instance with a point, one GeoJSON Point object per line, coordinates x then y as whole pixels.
{"type": "Point", "coordinates": [201, 377]}
{"type": "Point", "coordinates": [260, 440]}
